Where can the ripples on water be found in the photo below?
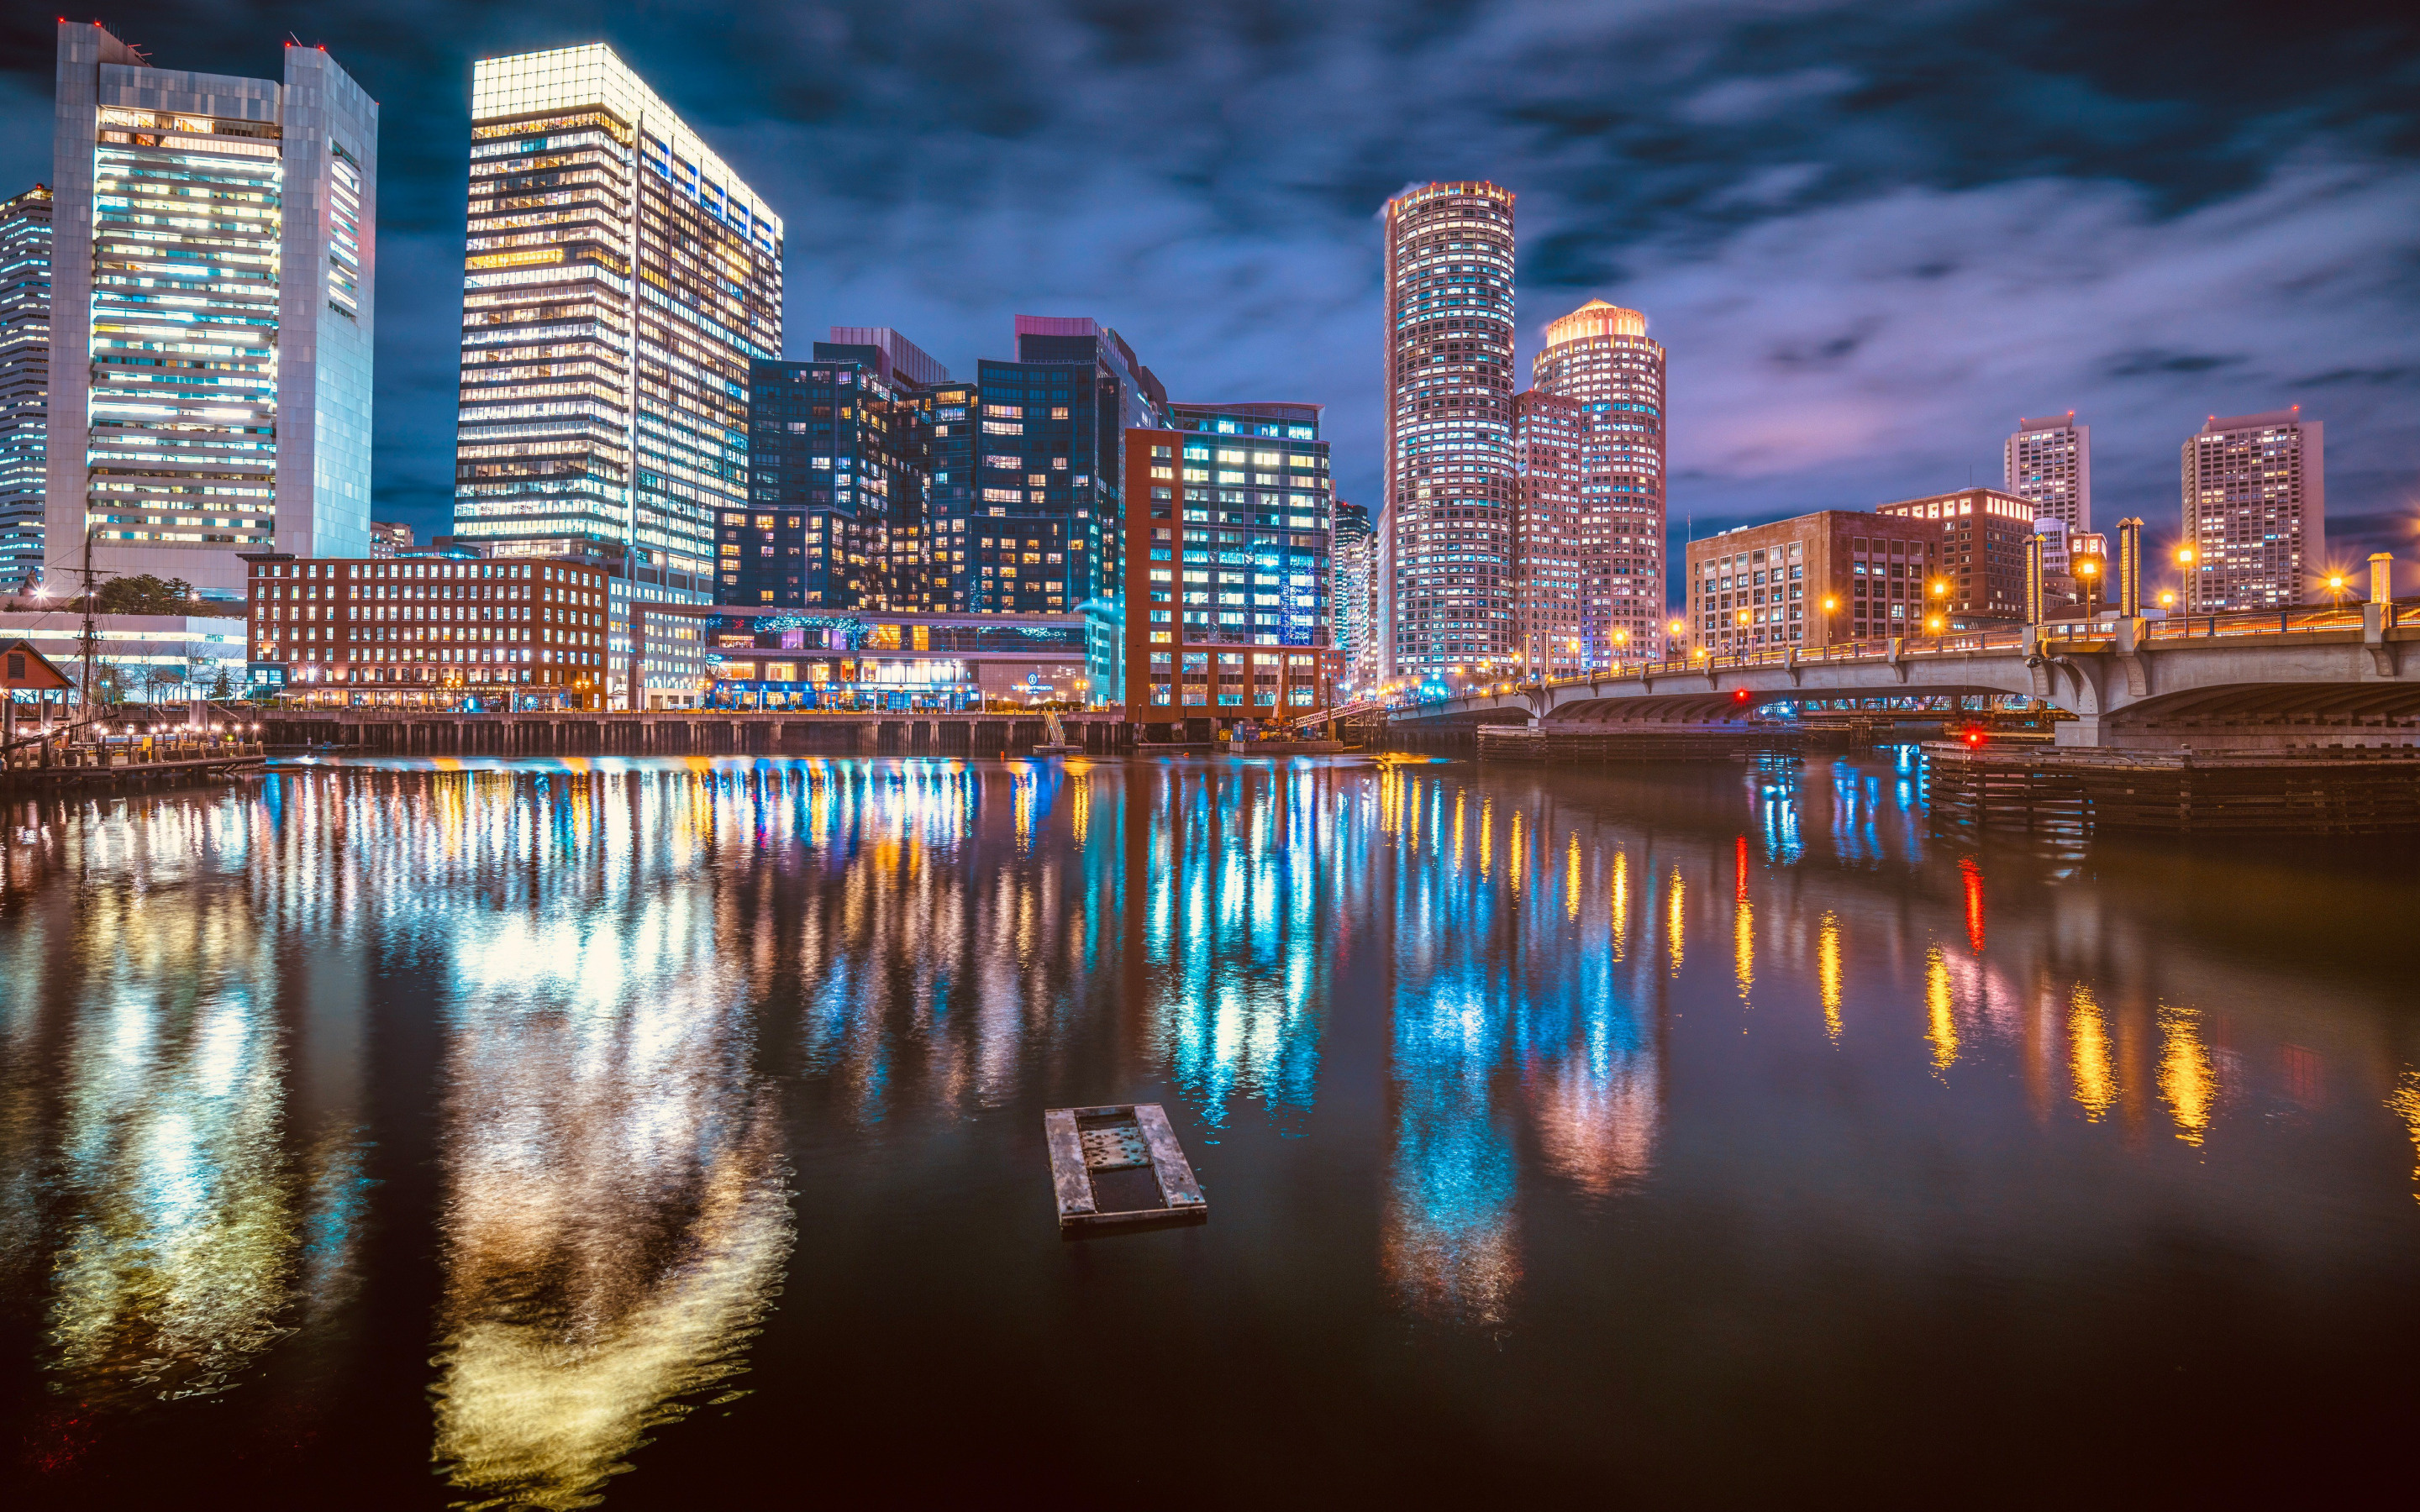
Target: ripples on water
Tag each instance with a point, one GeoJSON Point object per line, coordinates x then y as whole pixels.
{"type": "Point", "coordinates": [554, 1076]}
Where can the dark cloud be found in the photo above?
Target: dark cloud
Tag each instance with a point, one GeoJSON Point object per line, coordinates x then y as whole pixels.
{"type": "Point", "coordinates": [1873, 237]}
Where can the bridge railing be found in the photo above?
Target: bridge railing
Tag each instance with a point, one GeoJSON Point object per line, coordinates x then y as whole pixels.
{"type": "Point", "coordinates": [2098, 634]}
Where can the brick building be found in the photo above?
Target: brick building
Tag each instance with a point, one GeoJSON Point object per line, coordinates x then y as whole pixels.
{"type": "Point", "coordinates": [429, 629]}
{"type": "Point", "coordinates": [1982, 536]}
{"type": "Point", "coordinates": [1833, 576]}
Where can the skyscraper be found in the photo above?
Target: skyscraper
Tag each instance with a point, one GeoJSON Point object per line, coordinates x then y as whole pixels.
{"type": "Point", "coordinates": [2048, 464]}
{"type": "Point", "coordinates": [1450, 480]}
{"type": "Point", "coordinates": [1356, 599]}
{"type": "Point", "coordinates": [211, 395]}
{"type": "Point", "coordinates": [618, 280]}
{"type": "Point", "coordinates": [25, 380]}
{"type": "Point", "coordinates": [2256, 497]}
{"type": "Point", "coordinates": [1556, 574]}
{"type": "Point", "coordinates": [1601, 359]}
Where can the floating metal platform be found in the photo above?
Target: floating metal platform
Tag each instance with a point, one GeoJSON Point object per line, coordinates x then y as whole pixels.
{"type": "Point", "coordinates": [1117, 1137]}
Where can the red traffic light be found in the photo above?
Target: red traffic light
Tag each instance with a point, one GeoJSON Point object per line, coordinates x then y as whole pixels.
{"type": "Point", "coordinates": [1740, 695]}
{"type": "Point", "coordinates": [1974, 736]}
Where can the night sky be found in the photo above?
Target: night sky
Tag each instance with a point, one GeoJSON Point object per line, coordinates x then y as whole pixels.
{"type": "Point", "coordinates": [1871, 236]}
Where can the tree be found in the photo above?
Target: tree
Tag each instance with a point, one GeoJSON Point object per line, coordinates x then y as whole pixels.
{"type": "Point", "coordinates": [143, 593]}
{"type": "Point", "coordinates": [221, 687]}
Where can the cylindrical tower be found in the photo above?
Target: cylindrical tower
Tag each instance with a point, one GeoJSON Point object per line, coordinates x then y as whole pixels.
{"type": "Point", "coordinates": [1601, 358]}
{"type": "Point", "coordinates": [1449, 507]}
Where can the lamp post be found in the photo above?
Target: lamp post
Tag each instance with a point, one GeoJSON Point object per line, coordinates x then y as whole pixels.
{"type": "Point", "coordinates": [2336, 590]}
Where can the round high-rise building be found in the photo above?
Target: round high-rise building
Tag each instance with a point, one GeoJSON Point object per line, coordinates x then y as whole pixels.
{"type": "Point", "coordinates": [1446, 534]}
{"type": "Point", "coordinates": [1601, 358]}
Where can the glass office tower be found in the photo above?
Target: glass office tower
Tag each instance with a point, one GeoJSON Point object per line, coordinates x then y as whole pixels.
{"type": "Point", "coordinates": [618, 280]}
{"type": "Point", "coordinates": [24, 382]}
{"type": "Point", "coordinates": [216, 237]}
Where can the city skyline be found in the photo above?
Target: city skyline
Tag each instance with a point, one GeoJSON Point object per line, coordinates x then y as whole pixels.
{"type": "Point", "coordinates": [1937, 290]}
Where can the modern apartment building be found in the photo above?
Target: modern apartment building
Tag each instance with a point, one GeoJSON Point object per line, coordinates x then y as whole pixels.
{"type": "Point", "coordinates": [390, 537]}
{"type": "Point", "coordinates": [840, 457]}
{"type": "Point", "coordinates": [2255, 511]}
{"type": "Point", "coordinates": [1601, 359]}
{"type": "Point", "coordinates": [2048, 464]}
{"type": "Point", "coordinates": [1228, 565]}
{"type": "Point", "coordinates": [24, 383]}
{"type": "Point", "coordinates": [209, 396]}
{"type": "Point", "coordinates": [1556, 580]}
{"type": "Point", "coordinates": [1449, 509]}
{"type": "Point", "coordinates": [1983, 534]}
{"type": "Point", "coordinates": [1833, 576]}
{"type": "Point", "coordinates": [618, 281]}
{"type": "Point", "coordinates": [1028, 504]}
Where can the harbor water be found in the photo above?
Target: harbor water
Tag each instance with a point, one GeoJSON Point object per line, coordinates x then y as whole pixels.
{"type": "Point", "coordinates": [661, 1133]}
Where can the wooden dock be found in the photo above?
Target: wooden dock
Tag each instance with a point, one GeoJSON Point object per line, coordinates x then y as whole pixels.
{"type": "Point", "coordinates": [1088, 1144]}
{"type": "Point", "coordinates": [2334, 790]}
{"type": "Point", "coordinates": [1578, 741]}
{"type": "Point", "coordinates": [37, 763]}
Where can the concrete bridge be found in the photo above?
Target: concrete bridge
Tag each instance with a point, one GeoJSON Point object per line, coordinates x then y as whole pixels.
{"type": "Point", "coordinates": [2285, 681]}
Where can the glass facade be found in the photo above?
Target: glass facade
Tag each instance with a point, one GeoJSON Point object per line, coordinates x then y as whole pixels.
{"type": "Point", "coordinates": [618, 281]}
{"type": "Point", "coordinates": [840, 456]}
{"type": "Point", "coordinates": [1356, 603]}
{"type": "Point", "coordinates": [24, 377]}
{"type": "Point", "coordinates": [1555, 586]}
{"type": "Point", "coordinates": [897, 662]}
{"type": "Point", "coordinates": [215, 400]}
{"type": "Point", "coordinates": [1028, 467]}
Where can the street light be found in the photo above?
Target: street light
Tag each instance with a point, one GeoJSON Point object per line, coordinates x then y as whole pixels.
{"type": "Point", "coordinates": [2336, 590]}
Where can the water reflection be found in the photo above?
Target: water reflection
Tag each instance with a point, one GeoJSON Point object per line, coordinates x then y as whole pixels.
{"type": "Point", "coordinates": [2089, 1059]}
{"type": "Point", "coordinates": [183, 1178]}
{"type": "Point", "coordinates": [616, 1216]}
{"type": "Point", "coordinates": [1500, 970]}
{"type": "Point", "coordinates": [640, 987]}
{"type": "Point", "coordinates": [2404, 1102]}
